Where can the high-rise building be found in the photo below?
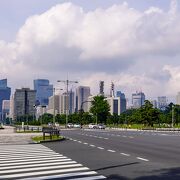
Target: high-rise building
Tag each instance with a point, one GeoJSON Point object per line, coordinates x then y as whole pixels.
{"type": "Point", "coordinates": [11, 111]}
{"type": "Point", "coordinates": [5, 93]}
{"type": "Point", "coordinates": [24, 102]}
{"type": "Point", "coordinates": [82, 94]}
{"type": "Point", "coordinates": [154, 103]}
{"type": "Point", "coordinates": [67, 103]}
{"type": "Point", "coordinates": [43, 91]}
{"type": "Point", "coordinates": [5, 109]}
{"type": "Point", "coordinates": [112, 94]}
{"type": "Point", "coordinates": [53, 106]}
{"type": "Point", "coordinates": [162, 102]}
{"type": "Point", "coordinates": [138, 99]}
{"type": "Point", "coordinates": [115, 105]}
{"type": "Point", "coordinates": [122, 101]}
{"type": "Point", "coordinates": [101, 87]}
{"type": "Point", "coordinates": [178, 98]}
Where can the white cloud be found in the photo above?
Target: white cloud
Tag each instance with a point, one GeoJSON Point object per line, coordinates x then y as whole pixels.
{"type": "Point", "coordinates": [102, 42]}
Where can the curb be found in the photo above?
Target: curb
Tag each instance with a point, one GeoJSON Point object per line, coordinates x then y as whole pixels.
{"type": "Point", "coordinates": [47, 141]}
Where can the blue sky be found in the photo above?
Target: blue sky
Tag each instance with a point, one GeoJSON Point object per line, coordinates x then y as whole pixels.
{"type": "Point", "coordinates": [135, 46]}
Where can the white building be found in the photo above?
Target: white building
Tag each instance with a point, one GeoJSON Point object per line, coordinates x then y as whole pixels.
{"type": "Point", "coordinates": [5, 109]}
{"type": "Point", "coordinates": [11, 111]}
{"type": "Point", "coordinates": [138, 99]}
{"type": "Point", "coordinates": [178, 98]}
{"type": "Point", "coordinates": [115, 105]}
{"type": "Point", "coordinates": [53, 106]}
{"type": "Point", "coordinates": [40, 110]}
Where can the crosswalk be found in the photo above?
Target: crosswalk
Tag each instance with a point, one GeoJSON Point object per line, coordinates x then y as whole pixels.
{"type": "Point", "coordinates": [37, 162]}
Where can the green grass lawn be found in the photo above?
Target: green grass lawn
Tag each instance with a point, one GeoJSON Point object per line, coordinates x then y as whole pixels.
{"type": "Point", "coordinates": [28, 131]}
{"type": "Point", "coordinates": [47, 138]}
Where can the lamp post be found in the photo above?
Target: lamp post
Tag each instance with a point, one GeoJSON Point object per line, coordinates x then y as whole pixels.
{"type": "Point", "coordinates": [67, 82]}
{"type": "Point", "coordinates": [172, 115]}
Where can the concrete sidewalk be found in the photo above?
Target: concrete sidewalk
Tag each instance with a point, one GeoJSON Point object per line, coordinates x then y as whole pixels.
{"type": "Point", "coordinates": [9, 136]}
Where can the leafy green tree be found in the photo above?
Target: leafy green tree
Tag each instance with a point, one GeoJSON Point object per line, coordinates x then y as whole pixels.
{"type": "Point", "coordinates": [100, 109]}
{"type": "Point", "coordinates": [149, 115]}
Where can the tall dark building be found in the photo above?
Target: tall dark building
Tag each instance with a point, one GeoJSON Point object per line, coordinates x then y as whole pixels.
{"type": "Point", "coordinates": [5, 93]}
{"type": "Point", "coordinates": [101, 87]}
{"type": "Point", "coordinates": [24, 101]}
{"type": "Point", "coordinates": [43, 91]}
{"type": "Point", "coordinates": [122, 101]}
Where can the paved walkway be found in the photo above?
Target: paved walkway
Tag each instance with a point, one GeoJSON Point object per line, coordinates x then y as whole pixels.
{"type": "Point", "coordinates": [9, 136]}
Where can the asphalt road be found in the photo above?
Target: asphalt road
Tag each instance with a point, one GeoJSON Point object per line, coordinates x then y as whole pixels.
{"type": "Point", "coordinates": [124, 154]}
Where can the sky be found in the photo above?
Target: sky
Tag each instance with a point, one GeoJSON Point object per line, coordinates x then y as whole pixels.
{"type": "Point", "coordinates": [135, 44]}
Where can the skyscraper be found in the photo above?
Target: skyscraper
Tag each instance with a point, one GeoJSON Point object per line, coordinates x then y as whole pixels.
{"type": "Point", "coordinates": [112, 94]}
{"type": "Point", "coordinates": [82, 94]}
{"type": "Point", "coordinates": [43, 91]}
{"type": "Point", "coordinates": [24, 101]}
{"type": "Point", "coordinates": [162, 102]}
{"type": "Point", "coordinates": [122, 101]}
{"type": "Point", "coordinates": [138, 99]}
{"type": "Point", "coordinates": [101, 87]}
{"type": "Point", "coordinates": [5, 93]}
{"type": "Point", "coordinates": [5, 109]}
{"type": "Point", "coordinates": [67, 103]}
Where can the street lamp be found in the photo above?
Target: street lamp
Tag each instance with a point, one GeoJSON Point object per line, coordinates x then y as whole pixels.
{"type": "Point", "coordinates": [172, 115]}
{"type": "Point", "coordinates": [67, 82]}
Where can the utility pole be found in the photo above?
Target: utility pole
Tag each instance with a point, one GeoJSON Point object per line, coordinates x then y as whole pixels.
{"type": "Point", "coordinates": [67, 82]}
{"type": "Point", "coordinates": [54, 106]}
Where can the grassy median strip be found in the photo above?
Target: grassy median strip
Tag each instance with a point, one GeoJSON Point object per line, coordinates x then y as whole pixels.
{"type": "Point", "coordinates": [47, 138]}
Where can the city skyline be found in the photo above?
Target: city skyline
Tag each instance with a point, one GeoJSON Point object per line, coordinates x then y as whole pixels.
{"type": "Point", "coordinates": [135, 45]}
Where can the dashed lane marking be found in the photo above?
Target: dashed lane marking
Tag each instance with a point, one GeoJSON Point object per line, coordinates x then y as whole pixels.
{"type": "Point", "coordinates": [109, 150]}
{"type": "Point", "coordinates": [142, 159]}
{"type": "Point", "coordinates": [124, 154]}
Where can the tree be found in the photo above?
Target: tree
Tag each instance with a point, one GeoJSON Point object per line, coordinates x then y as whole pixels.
{"type": "Point", "coordinates": [149, 115]}
{"type": "Point", "coordinates": [100, 109]}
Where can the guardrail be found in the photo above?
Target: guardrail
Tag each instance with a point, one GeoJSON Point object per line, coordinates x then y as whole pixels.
{"type": "Point", "coordinates": [28, 129]}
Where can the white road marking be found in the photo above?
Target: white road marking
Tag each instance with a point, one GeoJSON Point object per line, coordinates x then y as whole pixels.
{"type": "Point", "coordinates": [39, 168]}
{"type": "Point", "coordinates": [111, 150]}
{"type": "Point", "coordinates": [33, 159]}
{"type": "Point", "coordinates": [106, 138]}
{"type": "Point", "coordinates": [37, 165]}
{"type": "Point", "coordinates": [124, 154]}
{"type": "Point", "coordinates": [79, 142]}
{"type": "Point", "coordinates": [90, 178]}
{"type": "Point", "coordinates": [131, 137]}
{"type": "Point", "coordinates": [43, 172]}
{"type": "Point", "coordinates": [85, 143]}
{"type": "Point", "coordinates": [92, 145]}
{"type": "Point", "coordinates": [142, 159]}
{"type": "Point", "coordinates": [34, 162]}
{"type": "Point", "coordinates": [63, 175]}
{"type": "Point", "coordinates": [100, 147]}
{"type": "Point", "coordinates": [52, 165]}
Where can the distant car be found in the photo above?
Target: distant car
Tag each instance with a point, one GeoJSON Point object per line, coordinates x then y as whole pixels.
{"type": "Point", "coordinates": [50, 124]}
{"type": "Point", "coordinates": [92, 126]}
{"type": "Point", "coordinates": [70, 125]}
{"type": "Point", "coordinates": [101, 126]}
{"type": "Point", "coordinates": [77, 126]}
